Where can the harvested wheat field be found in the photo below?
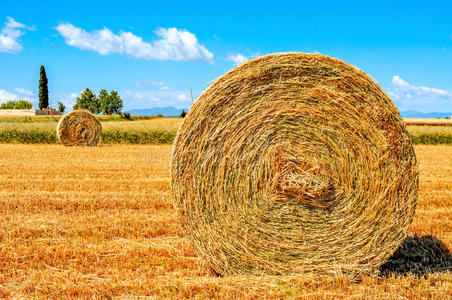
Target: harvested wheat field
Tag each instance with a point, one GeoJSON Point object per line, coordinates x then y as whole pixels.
{"type": "Point", "coordinates": [100, 222]}
{"type": "Point", "coordinates": [428, 122]}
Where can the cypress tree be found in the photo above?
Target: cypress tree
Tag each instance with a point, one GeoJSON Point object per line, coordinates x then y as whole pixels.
{"type": "Point", "coordinates": [43, 90]}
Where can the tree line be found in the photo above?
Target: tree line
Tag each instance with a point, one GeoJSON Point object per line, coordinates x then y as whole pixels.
{"type": "Point", "coordinates": [19, 104]}
{"type": "Point", "coordinates": [106, 103]}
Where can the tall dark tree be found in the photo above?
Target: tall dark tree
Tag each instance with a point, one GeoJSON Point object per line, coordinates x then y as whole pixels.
{"type": "Point", "coordinates": [43, 89]}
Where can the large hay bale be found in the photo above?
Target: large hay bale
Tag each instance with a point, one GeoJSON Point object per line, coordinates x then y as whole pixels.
{"type": "Point", "coordinates": [79, 128]}
{"type": "Point", "coordinates": [294, 163]}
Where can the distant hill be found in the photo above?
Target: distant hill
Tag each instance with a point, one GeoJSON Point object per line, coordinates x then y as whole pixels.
{"type": "Point", "coordinates": [418, 114]}
{"type": "Point", "coordinates": [168, 111]}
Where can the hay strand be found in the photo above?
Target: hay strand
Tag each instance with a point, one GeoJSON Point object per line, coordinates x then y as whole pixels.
{"type": "Point", "coordinates": [79, 128]}
{"type": "Point", "coordinates": [294, 163]}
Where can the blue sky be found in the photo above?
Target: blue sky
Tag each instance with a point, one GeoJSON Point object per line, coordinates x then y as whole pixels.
{"type": "Point", "coordinates": [152, 52]}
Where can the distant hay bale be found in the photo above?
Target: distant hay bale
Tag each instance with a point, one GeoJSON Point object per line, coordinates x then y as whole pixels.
{"type": "Point", "coordinates": [79, 128]}
{"type": "Point", "coordinates": [294, 163]}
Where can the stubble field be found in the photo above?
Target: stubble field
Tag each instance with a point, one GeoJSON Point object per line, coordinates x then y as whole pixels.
{"type": "Point", "coordinates": [100, 222]}
{"type": "Point", "coordinates": [160, 130]}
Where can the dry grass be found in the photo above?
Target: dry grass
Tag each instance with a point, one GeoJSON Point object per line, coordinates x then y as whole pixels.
{"type": "Point", "coordinates": [428, 122]}
{"type": "Point", "coordinates": [429, 130]}
{"type": "Point", "coordinates": [99, 221]}
{"type": "Point", "coordinates": [50, 125]}
{"type": "Point", "coordinates": [41, 129]}
{"type": "Point", "coordinates": [170, 124]}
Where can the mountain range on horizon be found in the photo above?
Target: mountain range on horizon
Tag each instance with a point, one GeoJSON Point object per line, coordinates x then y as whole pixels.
{"type": "Point", "coordinates": [431, 115]}
{"type": "Point", "coordinates": [171, 111]}
{"type": "Point", "coordinates": [167, 111]}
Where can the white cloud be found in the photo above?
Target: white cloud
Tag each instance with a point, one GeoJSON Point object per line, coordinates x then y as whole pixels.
{"type": "Point", "coordinates": [24, 92]}
{"type": "Point", "coordinates": [174, 44]}
{"type": "Point", "coordinates": [9, 36]}
{"type": "Point", "coordinates": [236, 58]}
{"type": "Point", "coordinates": [21, 95]}
{"type": "Point", "coordinates": [183, 98]}
{"type": "Point", "coordinates": [7, 96]}
{"type": "Point", "coordinates": [405, 91]}
{"type": "Point", "coordinates": [397, 81]}
{"type": "Point", "coordinates": [155, 98]}
{"type": "Point", "coordinates": [68, 101]}
{"type": "Point", "coordinates": [147, 82]}
{"type": "Point", "coordinates": [14, 24]}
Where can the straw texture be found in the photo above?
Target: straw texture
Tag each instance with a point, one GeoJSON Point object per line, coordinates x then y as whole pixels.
{"type": "Point", "coordinates": [294, 163]}
{"type": "Point", "coordinates": [79, 128]}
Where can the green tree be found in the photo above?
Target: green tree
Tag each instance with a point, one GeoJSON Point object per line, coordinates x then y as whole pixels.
{"type": "Point", "coordinates": [43, 89]}
{"type": "Point", "coordinates": [88, 101]}
{"type": "Point", "coordinates": [8, 105]}
{"type": "Point", "coordinates": [20, 104]}
{"type": "Point", "coordinates": [23, 104]}
{"type": "Point", "coordinates": [61, 107]}
{"type": "Point", "coordinates": [110, 103]}
{"type": "Point", "coordinates": [182, 114]}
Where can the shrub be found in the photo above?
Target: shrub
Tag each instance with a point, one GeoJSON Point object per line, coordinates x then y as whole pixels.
{"type": "Point", "coordinates": [126, 116]}
{"type": "Point", "coordinates": [61, 107]}
{"type": "Point", "coordinates": [20, 104]}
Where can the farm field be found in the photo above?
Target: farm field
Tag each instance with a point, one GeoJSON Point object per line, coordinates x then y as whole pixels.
{"type": "Point", "coordinates": [84, 222]}
{"type": "Point", "coordinates": [156, 130]}
{"type": "Point", "coordinates": [426, 122]}
{"type": "Point", "coordinates": [430, 134]}
{"type": "Point", "coordinates": [159, 130]}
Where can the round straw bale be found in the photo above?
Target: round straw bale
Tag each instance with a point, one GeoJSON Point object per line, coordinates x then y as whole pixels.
{"type": "Point", "coordinates": [79, 128]}
{"type": "Point", "coordinates": [294, 163]}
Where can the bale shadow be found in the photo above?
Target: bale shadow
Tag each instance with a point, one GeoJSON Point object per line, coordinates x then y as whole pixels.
{"type": "Point", "coordinates": [418, 255]}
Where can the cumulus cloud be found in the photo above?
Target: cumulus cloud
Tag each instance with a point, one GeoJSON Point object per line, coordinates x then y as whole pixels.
{"type": "Point", "coordinates": [183, 98]}
{"type": "Point", "coordinates": [7, 96]}
{"type": "Point", "coordinates": [67, 100]}
{"type": "Point", "coordinates": [405, 91]}
{"type": "Point", "coordinates": [147, 82]}
{"type": "Point", "coordinates": [236, 58]}
{"type": "Point", "coordinates": [156, 98]}
{"type": "Point", "coordinates": [24, 92]}
{"type": "Point", "coordinates": [9, 36]}
{"type": "Point", "coordinates": [174, 44]}
{"type": "Point", "coordinates": [19, 94]}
